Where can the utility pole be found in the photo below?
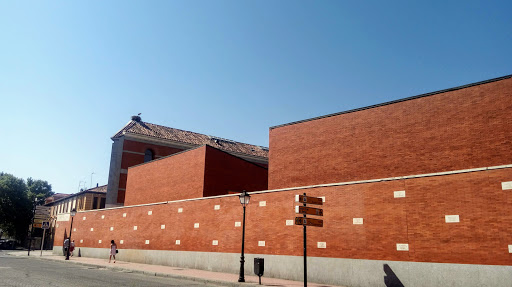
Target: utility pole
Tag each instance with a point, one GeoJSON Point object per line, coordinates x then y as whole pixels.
{"type": "Point", "coordinates": [91, 179]}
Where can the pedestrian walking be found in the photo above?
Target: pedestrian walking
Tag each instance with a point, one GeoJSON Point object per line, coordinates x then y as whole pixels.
{"type": "Point", "coordinates": [65, 246]}
{"type": "Point", "coordinates": [72, 247]}
{"type": "Point", "coordinates": [113, 250]}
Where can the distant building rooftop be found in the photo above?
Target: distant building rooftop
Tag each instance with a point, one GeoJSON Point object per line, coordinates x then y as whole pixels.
{"type": "Point", "coordinates": [138, 127]}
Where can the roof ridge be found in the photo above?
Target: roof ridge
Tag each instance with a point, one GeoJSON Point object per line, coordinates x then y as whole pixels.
{"type": "Point", "coordinates": [209, 136]}
{"type": "Point", "coordinates": [124, 127]}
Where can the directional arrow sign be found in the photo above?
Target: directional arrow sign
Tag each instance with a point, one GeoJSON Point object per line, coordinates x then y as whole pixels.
{"type": "Point", "coordinates": [309, 222]}
{"type": "Point", "coordinates": [40, 207]}
{"type": "Point", "coordinates": [309, 210]}
{"type": "Point", "coordinates": [38, 221]}
{"type": "Point", "coordinates": [308, 199]}
{"type": "Point", "coordinates": [42, 211]}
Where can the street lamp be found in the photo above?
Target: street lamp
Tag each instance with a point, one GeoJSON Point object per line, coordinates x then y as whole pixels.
{"type": "Point", "coordinates": [244, 200]}
{"type": "Point", "coordinates": [73, 213]}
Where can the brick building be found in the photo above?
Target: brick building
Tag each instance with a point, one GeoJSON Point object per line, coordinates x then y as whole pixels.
{"type": "Point", "coordinates": [417, 192]}
{"type": "Point", "coordinates": [201, 172]}
{"type": "Point", "coordinates": [139, 142]}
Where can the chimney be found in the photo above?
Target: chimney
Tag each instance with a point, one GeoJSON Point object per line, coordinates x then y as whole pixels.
{"type": "Point", "coordinates": [96, 184]}
{"type": "Point", "coordinates": [136, 118]}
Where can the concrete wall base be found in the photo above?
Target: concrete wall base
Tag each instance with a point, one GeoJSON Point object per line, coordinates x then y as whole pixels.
{"type": "Point", "coordinates": [335, 271]}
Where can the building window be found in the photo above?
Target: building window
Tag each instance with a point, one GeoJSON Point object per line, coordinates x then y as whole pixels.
{"type": "Point", "coordinates": [102, 202]}
{"type": "Point", "coordinates": [95, 203]}
{"type": "Point", "coordinates": [148, 155]}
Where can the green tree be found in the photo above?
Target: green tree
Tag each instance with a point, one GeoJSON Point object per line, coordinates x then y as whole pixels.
{"type": "Point", "coordinates": [15, 206]}
{"type": "Point", "coordinates": [39, 189]}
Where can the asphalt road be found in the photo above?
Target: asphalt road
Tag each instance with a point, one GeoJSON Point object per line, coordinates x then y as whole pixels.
{"type": "Point", "coordinates": [24, 271]}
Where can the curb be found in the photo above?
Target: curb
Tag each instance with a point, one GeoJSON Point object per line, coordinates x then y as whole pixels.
{"type": "Point", "coordinates": [159, 274]}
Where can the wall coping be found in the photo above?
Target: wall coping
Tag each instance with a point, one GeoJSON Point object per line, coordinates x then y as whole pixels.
{"type": "Point", "coordinates": [321, 185]}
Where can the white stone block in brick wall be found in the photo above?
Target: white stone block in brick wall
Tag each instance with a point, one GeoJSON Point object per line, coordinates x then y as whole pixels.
{"type": "Point", "coordinates": [402, 247]}
{"type": "Point", "coordinates": [289, 222]}
{"type": "Point", "coordinates": [121, 241]}
{"type": "Point", "coordinates": [178, 242]}
{"type": "Point", "coordinates": [215, 242]}
{"type": "Point", "coordinates": [507, 185]}
{"type": "Point", "coordinates": [180, 210]}
{"type": "Point", "coordinates": [263, 203]}
{"type": "Point", "coordinates": [74, 229]}
{"type": "Point", "coordinates": [135, 227]}
{"type": "Point", "coordinates": [196, 225]}
{"type": "Point", "coordinates": [147, 241]}
{"type": "Point", "coordinates": [510, 249]}
{"type": "Point", "coordinates": [321, 245]}
{"type": "Point", "coordinates": [238, 223]}
{"type": "Point", "coordinates": [83, 218]}
{"type": "Point", "coordinates": [357, 221]}
{"type": "Point", "coordinates": [451, 218]}
{"type": "Point", "coordinates": [112, 228]}
{"type": "Point", "coordinates": [99, 241]}
{"type": "Point", "coordinates": [150, 212]}
{"type": "Point", "coordinates": [399, 194]}
{"type": "Point", "coordinates": [323, 198]}
{"type": "Point", "coordinates": [261, 243]}
{"type": "Point", "coordinates": [162, 226]}
{"type": "Point", "coordinates": [124, 214]}
{"type": "Point", "coordinates": [216, 207]}
{"type": "Point", "coordinates": [81, 241]}
{"type": "Point", "coordinates": [103, 217]}
{"type": "Point", "coordinates": [92, 229]}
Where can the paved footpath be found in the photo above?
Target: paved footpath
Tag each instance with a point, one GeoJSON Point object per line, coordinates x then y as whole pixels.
{"type": "Point", "coordinates": [226, 279]}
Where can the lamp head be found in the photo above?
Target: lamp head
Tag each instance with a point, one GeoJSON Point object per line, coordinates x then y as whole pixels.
{"type": "Point", "coordinates": [244, 198]}
{"type": "Point", "coordinates": [73, 212]}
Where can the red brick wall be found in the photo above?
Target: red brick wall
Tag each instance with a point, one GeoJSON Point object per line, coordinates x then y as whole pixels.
{"type": "Point", "coordinates": [158, 150]}
{"type": "Point", "coordinates": [481, 236]}
{"type": "Point", "coordinates": [460, 129]}
{"type": "Point", "coordinates": [225, 172]}
{"type": "Point", "coordinates": [177, 177]}
{"type": "Point", "coordinates": [122, 184]}
{"type": "Point", "coordinates": [129, 159]}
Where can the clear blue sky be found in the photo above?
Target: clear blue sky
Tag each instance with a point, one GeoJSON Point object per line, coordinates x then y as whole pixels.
{"type": "Point", "coordinates": [73, 72]}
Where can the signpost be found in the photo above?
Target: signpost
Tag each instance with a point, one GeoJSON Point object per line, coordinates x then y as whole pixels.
{"type": "Point", "coordinates": [44, 225]}
{"type": "Point", "coordinates": [306, 221]}
{"type": "Point", "coordinates": [40, 213]}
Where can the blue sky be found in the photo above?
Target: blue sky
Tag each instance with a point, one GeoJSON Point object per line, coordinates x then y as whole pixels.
{"type": "Point", "coordinates": [73, 72]}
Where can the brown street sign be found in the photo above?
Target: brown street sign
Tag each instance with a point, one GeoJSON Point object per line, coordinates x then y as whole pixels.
{"type": "Point", "coordinates": [309, 210]}
{"type": "Point", "coordinates": [308, 199]}
{"type": "Point", "coordinates": [38, 221]}
{"type": "Point", "coordinates": [309, 222]}
{"type": "Point", "coordinates": [41, 207]}
{"type": "Point", "coordinates": [40, 211]}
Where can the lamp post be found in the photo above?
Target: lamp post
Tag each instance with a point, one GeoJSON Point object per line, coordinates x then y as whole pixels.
{"type": "Point", "coordinates": [73, 213]}
{"type": "Point", "coordinates": [244, 200]}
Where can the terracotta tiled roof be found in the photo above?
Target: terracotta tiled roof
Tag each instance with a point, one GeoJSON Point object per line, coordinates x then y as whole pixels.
{"type": "Point", "coordinates": [102, 188]}
{"type": "Point", "coordinates": [161, 132]}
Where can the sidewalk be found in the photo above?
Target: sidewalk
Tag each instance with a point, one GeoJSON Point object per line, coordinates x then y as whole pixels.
{"type": "Point", "coordinates": [225, 279]}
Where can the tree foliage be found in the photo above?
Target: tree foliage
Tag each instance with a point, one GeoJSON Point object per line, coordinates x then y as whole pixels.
{"type": "Point", "coordinates": [39, 189]}
{"type": "Point", "coordinates": [16, 203]}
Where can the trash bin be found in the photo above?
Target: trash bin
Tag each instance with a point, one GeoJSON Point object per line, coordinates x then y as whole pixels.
{"type": "Point", "coordinates": [259, 267]}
